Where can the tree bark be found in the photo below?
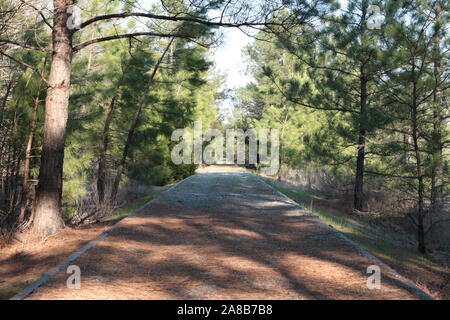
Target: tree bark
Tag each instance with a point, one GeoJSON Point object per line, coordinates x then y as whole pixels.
{"type": "Point", "coordinates": [47, 212]}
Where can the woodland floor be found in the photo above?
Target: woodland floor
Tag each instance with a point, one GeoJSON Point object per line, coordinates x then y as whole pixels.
{"type": "Point", "coordinates": [221, 234]}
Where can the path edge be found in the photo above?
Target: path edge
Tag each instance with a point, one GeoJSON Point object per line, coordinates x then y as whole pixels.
{"type": "Point", "coordinates": [44, 278]}
{"type": "Point", "coordinates": [414, 289]}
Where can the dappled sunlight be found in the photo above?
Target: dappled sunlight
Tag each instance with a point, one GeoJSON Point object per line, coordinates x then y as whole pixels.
{"type": "Point", "coordinates": [183, 248]}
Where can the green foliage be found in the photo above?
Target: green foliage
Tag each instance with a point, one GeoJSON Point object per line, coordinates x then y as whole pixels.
{"type": "Point", "coordinates": [310, 83]}
{"type": "Point", "coordinates": [182, 91]}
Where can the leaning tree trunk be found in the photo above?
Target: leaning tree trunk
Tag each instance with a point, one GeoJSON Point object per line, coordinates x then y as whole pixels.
{"type": "Point", "coordinates": [47, 219]}
{"type": "Point", "coordinates": [25, 197]}
{"type": "Point", "coordinates": [123, 160]}
{"type": "Point", "coordinates": [101, 173]}
{"type": "Point", "coordinates": [134, 125]}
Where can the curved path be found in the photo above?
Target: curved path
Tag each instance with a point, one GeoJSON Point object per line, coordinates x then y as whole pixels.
{"type": "Point", "coordinates": [222, 235]}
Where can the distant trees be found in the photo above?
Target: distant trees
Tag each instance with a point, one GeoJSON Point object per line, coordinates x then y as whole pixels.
{"type": "Point", "coordinates": [341, 57]}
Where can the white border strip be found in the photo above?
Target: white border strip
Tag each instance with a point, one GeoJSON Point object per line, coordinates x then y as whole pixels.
{"type": "Point", "coordinates": [416, 290]}
{"type": "Point", "coordinates": [53, 271]}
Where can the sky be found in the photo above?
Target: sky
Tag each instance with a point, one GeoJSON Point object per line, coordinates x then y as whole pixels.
{"type": "Point", "coordinates": [229, 61]}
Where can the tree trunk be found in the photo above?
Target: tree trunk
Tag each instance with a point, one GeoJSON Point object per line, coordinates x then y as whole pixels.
{"type": "Point", "coordinates": [7, 171]}
{"type": "Point", "coordinates": [4, 143]}
{"type": "Point", "coordinates": [134, 125]}
{"type": "Point", "coordinates": [91, 51]}
{"type": "Point", "coordinates": [14, 180]}
{"type": "Point", "coordinates": [281, 144]}
{"type": "Point", "coordinates": [47, 212]}
{"type": "Point", "coordinates": [5, 99]}
{"type": "Point", "coordinates": [358, 197]}
{"type": "Point", "coordinates": [420, 189]}
{"type": "Point", "coordinates": [437, 170]}
{"type": "Point", "coordinates": [123, 160]}
{"type": "Point", "coordinates": [26, 165]}
{"type": "Point", "coordinates": [420, 224]}
{"type": "Point", "coordinates": [101, 175]}
{"type": "Point", "coordinates": [358, 200]}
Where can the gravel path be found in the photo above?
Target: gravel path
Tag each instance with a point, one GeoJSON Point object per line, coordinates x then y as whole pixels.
{"type": "Point", "coordinates": [222, 235]}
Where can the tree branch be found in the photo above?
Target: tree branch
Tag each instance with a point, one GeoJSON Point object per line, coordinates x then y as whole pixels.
{"type": "Point", "coordinates": [39, 12]}
{"type": "Point", "coordinates": [174, 18]}
{"type": "Point", "coordinates": [307, 105]}
{"type": "Point", "coordinates": [131, 35]}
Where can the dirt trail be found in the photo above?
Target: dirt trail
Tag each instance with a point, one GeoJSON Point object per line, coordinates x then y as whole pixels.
{"type": "Point", "coordinates": [222, 234]}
